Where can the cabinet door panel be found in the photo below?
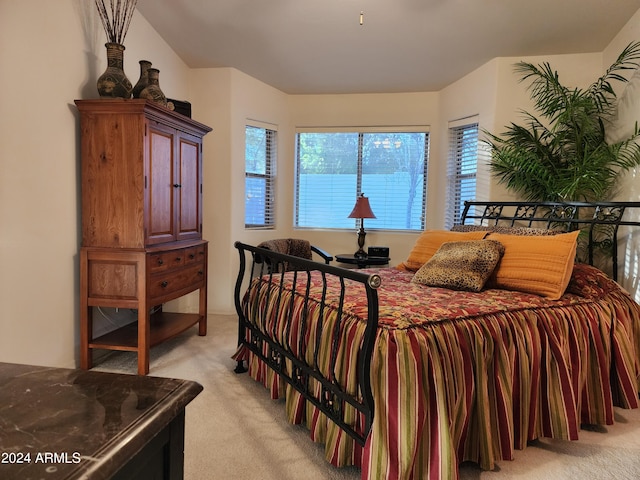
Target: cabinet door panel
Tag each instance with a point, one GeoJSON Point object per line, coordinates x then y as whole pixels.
{"type": "Point", "coordinates": [160, 187]}
{"type": "Point", "coordinates": [189, 171]}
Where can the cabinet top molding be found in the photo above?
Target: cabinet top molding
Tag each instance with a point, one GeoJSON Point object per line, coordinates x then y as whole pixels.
{"type": "Point", "coordinates": [139, 106]}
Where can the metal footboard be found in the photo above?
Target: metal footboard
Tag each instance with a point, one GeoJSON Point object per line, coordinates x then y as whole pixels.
{"type": "Point", "coordinates": [262, 263]}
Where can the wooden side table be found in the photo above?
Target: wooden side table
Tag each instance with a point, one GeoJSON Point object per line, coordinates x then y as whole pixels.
{"type": "Point", "coordinates": [362, 262]}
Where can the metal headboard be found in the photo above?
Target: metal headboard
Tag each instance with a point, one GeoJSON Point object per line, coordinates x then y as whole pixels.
{"type": "Point", "coordinates": [599, 221]}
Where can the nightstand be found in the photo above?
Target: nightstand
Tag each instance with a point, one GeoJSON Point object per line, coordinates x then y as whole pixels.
{"type": "Point", "coordinates": [362, 262]}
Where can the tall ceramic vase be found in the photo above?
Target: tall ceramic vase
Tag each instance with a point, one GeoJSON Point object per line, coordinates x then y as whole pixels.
{"type": "Point", "coordinates": [113, 83]}
{"type": "Point", "coordinates": [152, 91]}
{"type": "Point", "coordinates": [143, 81]}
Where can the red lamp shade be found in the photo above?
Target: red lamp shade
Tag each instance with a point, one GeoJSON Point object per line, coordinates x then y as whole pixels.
{"type": "Point", "coordinates": [361, 209]}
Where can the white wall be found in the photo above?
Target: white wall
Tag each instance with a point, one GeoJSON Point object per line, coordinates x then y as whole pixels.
{"type": "Point", "coordinates": [474, 94]}
{"type": "Point", "coordinates": [227, 98]}
{"type": "Point", "coordinates": [53, 52]}
{"type": "Point", "coordinates": [629, 106]}
{"type": "Point", "coordinates": [628, 116]}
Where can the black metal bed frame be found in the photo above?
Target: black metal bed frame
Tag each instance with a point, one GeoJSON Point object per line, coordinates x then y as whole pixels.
{"type": "Point", "coordinates": [333, 397]}
{"type": "Point", "coordinates": [568, 216]}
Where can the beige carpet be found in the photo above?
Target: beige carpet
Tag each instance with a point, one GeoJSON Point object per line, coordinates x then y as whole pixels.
{"type": "Point", "coordinates": [235, 431]}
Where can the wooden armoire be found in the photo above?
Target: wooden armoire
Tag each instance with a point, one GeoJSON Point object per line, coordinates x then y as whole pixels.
{"type": "Point", "coordinates": [142, 245]}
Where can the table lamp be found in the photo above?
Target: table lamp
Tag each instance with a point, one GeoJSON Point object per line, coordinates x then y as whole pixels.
{"type": "Point", "coordinates": [361, 210]}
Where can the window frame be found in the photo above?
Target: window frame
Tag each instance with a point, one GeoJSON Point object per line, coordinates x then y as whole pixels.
{"type": "Point", "coordinates": [456, 164]}
{"type": "Point", "coordinates": [269, 176]}
{"type": "Point", "coordinates": [362, 131]}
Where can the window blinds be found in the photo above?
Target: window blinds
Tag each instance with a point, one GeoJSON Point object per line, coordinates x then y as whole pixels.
{"type": "Point", "coordinates": [260, 158]}
{"type": "Point", "coordinates": [462, 167]}
{"type": "Point", "coordinates": [334, 167]}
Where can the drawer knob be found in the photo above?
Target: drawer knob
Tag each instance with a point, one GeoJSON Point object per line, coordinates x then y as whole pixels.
{"type": "Point", "coordinates": [178, 259]}
{"type": "Point", "coordinates": [200, 272]}
{"type": "Point", "coordinates": [191, 256]}
{"type": "Point", "coordinates": [164, 284]}
{"type": "Point", "coordinates": [160, 261]}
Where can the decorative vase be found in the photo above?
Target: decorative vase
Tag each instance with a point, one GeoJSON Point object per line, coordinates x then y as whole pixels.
{"type": "Point", "coordinates": [152, 91]}
{"type": "Point", "coordinates": [113, 83]}
{"type": "Point", "coordinates": [143, 81]}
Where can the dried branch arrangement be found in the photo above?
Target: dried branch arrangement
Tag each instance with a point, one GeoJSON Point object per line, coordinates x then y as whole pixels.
{"type": "Point", "coordinates": [116, 18]}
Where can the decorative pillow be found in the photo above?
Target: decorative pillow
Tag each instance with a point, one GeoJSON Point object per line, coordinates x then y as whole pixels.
{"type": "Point", "coordinates": [429, 242]}
{"type": "Point", "coordinates": [527, 231]}
{"type": "Point", "coordinates": [541, 265]}
{"type": "Point", "coordinates": [461, 265]}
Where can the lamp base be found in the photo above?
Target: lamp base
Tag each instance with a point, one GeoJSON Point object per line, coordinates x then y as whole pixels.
{"type": "Point", "coordinates": [360, 254]}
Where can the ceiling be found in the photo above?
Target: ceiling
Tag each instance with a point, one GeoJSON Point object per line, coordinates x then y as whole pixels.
{"type": "Point", "coordinates": [315, 47]}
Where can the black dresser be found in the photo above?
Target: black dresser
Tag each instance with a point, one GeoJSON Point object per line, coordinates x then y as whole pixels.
{"type": "Point", "coordinates": [75, 424]}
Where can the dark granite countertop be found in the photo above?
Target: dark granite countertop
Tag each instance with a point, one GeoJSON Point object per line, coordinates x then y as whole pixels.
{"type": "Point", "coordinates": [66, 424]}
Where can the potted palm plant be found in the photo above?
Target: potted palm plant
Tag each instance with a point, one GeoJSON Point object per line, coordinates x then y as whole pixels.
{"type": "Point", "coordinates": [563, 153]}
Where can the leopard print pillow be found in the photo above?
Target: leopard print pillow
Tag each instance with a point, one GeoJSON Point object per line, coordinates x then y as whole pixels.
{"type": "Point", "coordinates": [526, 231]}
{"type": "Point", "coordinates": [461, 265]}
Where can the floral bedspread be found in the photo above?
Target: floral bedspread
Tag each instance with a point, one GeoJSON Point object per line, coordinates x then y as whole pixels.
{"type": "Point", "coordinates": [460, 376]}
{"type": "Point", "coordinates": [409, 305]}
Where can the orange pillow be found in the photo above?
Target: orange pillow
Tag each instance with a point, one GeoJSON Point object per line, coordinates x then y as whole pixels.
{"type": "Point", "coordinates": [541, 265]}
{"type": "Point", "coordinates": [429, 242]}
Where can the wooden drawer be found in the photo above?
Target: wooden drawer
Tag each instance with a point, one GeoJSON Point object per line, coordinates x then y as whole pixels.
{"type": "Point", "coordinates": [170, 282]}
{"type": "Point", "coordinates": [164, 261]}
{"type": "Point", "coordinates": [194, 254]}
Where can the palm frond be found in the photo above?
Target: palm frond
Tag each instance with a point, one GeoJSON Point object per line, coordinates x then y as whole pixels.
{"type": "Point", "coordinates": [546, 90]}
{"type": "Point", "coordinates": [601, 91]}
{"type": "Point", "coordinates": [566, 156]}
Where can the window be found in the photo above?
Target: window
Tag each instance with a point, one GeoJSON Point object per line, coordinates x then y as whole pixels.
{"type": "Point", "coordinates": [389, 167]}
{"type": "Point", "coordinates": [462, 168]}
{"type": "Point", "coordinates": [260, 157]}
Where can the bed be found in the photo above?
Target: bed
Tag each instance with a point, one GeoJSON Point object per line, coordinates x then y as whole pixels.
{"type": "Point", "coordinates": [405, 379]}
